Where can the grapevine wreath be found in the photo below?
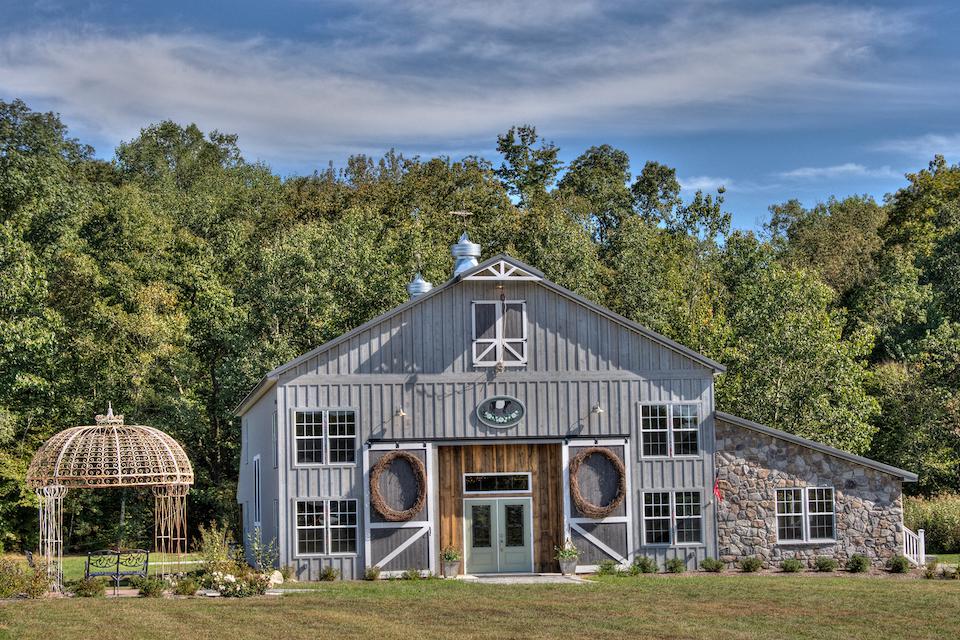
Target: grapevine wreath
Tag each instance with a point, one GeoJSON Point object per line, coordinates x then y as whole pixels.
{"type": "Point", "coordinates": [583, 505]}
{"type": "Point", "coordinates": [376, 497]}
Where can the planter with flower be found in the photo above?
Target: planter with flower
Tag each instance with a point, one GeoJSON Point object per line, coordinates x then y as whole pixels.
{"type": "Point", "coordinates": [567, 555]}
{"type": "Point", "coordinates": [451, 562]}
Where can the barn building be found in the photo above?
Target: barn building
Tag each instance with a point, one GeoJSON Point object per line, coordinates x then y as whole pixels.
{"type": "Point", "coordinates": [500, 414]}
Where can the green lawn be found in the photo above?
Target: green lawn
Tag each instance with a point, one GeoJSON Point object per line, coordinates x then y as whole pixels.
{"type": "Point", "coordinates": [815, 607]}
{"type": "Point", "coordinates": [948, 558]}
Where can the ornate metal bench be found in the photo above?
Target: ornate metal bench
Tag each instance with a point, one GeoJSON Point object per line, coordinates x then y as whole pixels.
{"type": "Point", "coordinates": [117, 564]}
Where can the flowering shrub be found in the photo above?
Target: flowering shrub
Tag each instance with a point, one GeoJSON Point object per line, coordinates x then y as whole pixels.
{"type": "Point", "coordinates": [242, 586]}
{"type": "Point", "coordinates": [17, 580]}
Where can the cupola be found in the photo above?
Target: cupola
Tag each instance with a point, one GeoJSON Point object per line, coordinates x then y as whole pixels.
{"type": "Point", "coordinates": [465, 254]}
{"type": "Point", "coordinates": [418, 286]}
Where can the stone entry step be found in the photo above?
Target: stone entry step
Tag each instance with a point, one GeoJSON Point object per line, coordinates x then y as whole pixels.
{"type": "Point", "coordinates": [524, 578]}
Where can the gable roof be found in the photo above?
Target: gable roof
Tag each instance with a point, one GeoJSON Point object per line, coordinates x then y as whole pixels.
{"type": "Point", "coordinates": [907, 476]}
{"type": "Point", "coordinates": [529, 273]}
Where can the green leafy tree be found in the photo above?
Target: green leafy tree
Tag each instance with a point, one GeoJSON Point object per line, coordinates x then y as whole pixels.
{"type": "Point", "coordinates": [527, 171]}
{"type": "Point", "coordinates": [600, 176]}
{"type": "Point", "coordinates": [838, 239]}
{"type": "Point", "coordinates": [790, 366]}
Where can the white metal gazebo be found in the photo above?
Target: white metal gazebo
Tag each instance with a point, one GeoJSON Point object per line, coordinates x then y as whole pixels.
{"type": "Point", "coordinates": [108, 455]}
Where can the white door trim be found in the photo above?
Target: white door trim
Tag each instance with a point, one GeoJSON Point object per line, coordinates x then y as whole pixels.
{"type": "Point", "coordinates": [427, 526]}
{"type": "Point", "coordinates": [570, 523]}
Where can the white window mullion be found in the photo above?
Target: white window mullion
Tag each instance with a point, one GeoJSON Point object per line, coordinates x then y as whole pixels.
{"type": "Point", "coordinates": [326, 437]}
{"type": "Point", "coordinates": [670, 432]}
{"type": "Point", "coordinates": [673, 517]}
{"type": "Point", "coordinates": [327, 544]}
{"type": "Point", "coordinates": [806, 516]}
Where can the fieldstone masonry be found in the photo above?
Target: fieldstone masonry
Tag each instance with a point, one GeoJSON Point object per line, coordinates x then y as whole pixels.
{"type": "Point", "coordinates": [751, 466]}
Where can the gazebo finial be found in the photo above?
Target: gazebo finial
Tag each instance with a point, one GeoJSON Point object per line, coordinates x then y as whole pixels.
{"type": "Point", "coordinates": [109, 418]}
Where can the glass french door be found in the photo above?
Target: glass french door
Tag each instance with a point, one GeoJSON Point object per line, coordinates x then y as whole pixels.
{"type": "Point", "coordinates": [498, 535]}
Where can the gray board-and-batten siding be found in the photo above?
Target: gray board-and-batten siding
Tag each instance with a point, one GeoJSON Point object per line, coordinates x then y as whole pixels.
{"type": "Point", "coordinates": [420, 360]}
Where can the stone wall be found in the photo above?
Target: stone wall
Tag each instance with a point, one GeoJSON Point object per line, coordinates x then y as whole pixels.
{"type": "Point", "coordinates": [751, 466]}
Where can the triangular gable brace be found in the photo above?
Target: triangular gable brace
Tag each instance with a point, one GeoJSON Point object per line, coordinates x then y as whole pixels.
{"type": "Point", "coordinates": [502, 270]}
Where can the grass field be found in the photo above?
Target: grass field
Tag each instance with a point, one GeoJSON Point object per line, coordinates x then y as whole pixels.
{"type": "Point", "coordinates": [650, 606]}
{"type": "Point", "coordinates": [948, 558]}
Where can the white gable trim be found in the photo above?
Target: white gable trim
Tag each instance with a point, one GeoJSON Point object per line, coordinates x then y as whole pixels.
{"type": "Point", "coordinates": [503, 270]}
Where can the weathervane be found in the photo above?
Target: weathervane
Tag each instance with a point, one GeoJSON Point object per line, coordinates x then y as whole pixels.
{"type": "Point", "coordinates": [463, 215]}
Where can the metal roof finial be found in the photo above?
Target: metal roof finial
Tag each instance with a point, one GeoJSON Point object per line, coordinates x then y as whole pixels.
{"type": "Point", "coordinates": [465, 253]}
{"type": "Point", "coordinates": [418, 286]}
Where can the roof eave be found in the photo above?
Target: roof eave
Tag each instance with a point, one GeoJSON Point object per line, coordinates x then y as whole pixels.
{"type": "Point", "coordinates": [905, 475]}
{"type": "Point", "coordinates": [263, 386]}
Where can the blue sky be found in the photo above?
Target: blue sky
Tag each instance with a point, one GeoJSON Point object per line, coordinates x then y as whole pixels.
{"type": "Point", "coordinates": [773, 100]}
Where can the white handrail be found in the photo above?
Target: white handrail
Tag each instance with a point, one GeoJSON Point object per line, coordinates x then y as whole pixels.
{"type": "Point", "coordinates": [914, 546]}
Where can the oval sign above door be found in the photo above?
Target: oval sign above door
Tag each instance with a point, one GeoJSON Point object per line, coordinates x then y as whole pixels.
{"type": "Point", "coordinates": [501, 412]}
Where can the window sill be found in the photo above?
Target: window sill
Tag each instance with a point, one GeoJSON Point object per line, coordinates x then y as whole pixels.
{"type": "Point", "coordinates": [806, 543]}
{"type": "Point", "coordinates": [321, 465]}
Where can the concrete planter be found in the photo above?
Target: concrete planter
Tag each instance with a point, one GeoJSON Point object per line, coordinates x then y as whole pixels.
{"type": "Point", "coordinates": [451, 569]}
{"type": "Point", "coordinates": [568, 566]}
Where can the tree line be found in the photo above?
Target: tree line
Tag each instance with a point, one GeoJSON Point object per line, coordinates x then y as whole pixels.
{"type": "Point", "coordinates": [169, 279]}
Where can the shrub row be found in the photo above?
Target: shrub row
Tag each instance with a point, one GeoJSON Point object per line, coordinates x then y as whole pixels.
{"type": "Point", "coordinates": [939, 517]}
{"type": "Point", "coordinates": [857, 563]}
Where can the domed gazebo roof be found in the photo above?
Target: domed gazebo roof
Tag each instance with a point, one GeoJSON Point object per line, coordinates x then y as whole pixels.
{"type": "Point", "coordinates": [110, 454]}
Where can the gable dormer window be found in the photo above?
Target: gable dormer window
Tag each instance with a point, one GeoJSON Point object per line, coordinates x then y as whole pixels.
{"type": "Point", "coordinates": [499, 333]}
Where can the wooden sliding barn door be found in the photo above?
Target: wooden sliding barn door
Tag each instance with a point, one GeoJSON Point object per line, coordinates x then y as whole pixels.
{"type": "Point", "coordinates": [609, 537]}
{"type": "Point", "coordinates": [542, 461]}
{"type": "Point", "coordinates": [398, 546]}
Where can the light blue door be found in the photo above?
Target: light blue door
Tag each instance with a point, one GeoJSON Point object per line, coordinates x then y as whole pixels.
{"type": "Point", "coordinates": [515, 526]}
{"type": "Point", "coordinates": [498, 535]}
{"type": "Point", "coordinates": [480, 539]}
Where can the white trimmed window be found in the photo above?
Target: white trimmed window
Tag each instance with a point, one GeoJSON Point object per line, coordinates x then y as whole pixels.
{"type": "Point", "coordinates": [669, 430]}
{"type": "Point", "coordinates": [806, 514]}
{"type": "Point", "coordinates": [656, 517]}
{"type": "Point", "coordinates": [326, 527]}
{"type": "Point", "coordinates": [672, 517]}
{"type": "Point", "coordinates": [343, 526]}
{"type": "Point", "coordinates": [273, 439]}
{"type": "Point", "coordinates": [688, 517]}
{"type": "Point", "coordinates": [311, 527]}
{"type": "Point", "coordinates": [325, 436]}
{"type": "Point", "coordinates": [499, 333]}
{"type": "Point", "coordinates": [257, 513]}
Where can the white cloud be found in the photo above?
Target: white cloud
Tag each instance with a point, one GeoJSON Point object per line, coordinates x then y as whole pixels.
{"type": "Point", "coordinates": [448, 74]}
{"type": "Point", "coordinates": [846, 170]}
{"type": "Point", "coordinates": [705, 183]}
{"type": "Point", "coordinates": [926, 146]}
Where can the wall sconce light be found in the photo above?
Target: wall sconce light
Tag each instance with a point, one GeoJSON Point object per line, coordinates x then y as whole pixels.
{"type": "Point", "coordinates": [597, 409]}
{"type": "Point", "coordinates": [400, 413]}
